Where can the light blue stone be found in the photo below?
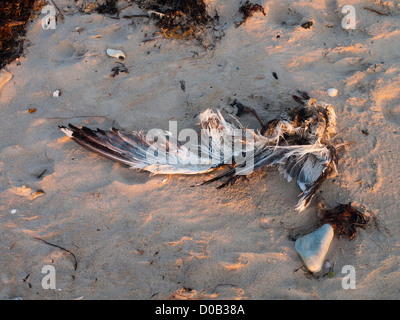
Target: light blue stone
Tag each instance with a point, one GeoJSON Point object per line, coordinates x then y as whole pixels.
{"type": "Point", "coordinates": [313, 247]}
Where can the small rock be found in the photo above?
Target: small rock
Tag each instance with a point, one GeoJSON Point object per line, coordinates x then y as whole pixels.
{"type": "Point", "coordinates": [56, 93]}
{"type": "Point", "coordinates": [313, 247]}
{"type": "Point", "coordinates": [332, 92]}
{"type": "Point", "coordinates": [307, 25]}
{"type": "Point", "coordinates": [13, 211]}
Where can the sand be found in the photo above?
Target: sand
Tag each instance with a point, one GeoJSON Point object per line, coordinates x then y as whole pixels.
{"type": "Point", "coordinates": [141, 237]}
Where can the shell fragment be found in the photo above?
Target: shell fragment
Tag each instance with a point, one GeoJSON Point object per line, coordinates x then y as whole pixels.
{"type": "Point", "coordinates": [332, 92]}
{"type": "Point", "coordinates": [116, 53]}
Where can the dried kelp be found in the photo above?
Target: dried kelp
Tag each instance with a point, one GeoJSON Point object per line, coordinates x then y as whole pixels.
{"type": "Point", "coordinates": [57, 246]}
{"type": "Point", "coordinates": [345, 219]}
{"type": "Point", "coordinates": [179, 19]}
{"type": "Point", "coordinates": [118, 69]}
{"type": "Point", "coordinates": [109, 7]}
{"type": "Point", "coordinates": [248, 9]}
{"type": "Point", "coordinates": [14, 17]}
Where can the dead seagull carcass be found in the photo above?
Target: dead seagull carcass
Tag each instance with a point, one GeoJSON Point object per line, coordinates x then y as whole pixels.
{"type": "Point", "coordinates": [301, 144]}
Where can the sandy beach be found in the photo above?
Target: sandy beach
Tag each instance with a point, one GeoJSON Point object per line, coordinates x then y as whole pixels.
{"type": "Point", "coordinates": [137, 236]}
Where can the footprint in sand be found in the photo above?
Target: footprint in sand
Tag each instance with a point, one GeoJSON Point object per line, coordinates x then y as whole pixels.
{"type": "Point", "coordinates": [28, 170]}
{"type": "Point", "coordinates": [40, 168]}
{"type": "Point", "coordinates": [285, 16]}
{"type": "Point", "coordinates": [392, 113]}
{"type": "Point", "coordinates": [386, 96]}
{"type": "Point", "coordinates": [65, 52]}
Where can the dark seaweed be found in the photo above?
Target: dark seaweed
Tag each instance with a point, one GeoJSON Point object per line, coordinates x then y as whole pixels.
{"type": "Point", "coordinates": [109, 7]}
{"type": "Point", "coordinates": [248, 9]}
{"type": "Point", "coordinates": [345, 219]}
{"type": "Point", "coordinates": [178, 15]}
{"type": "Point", "coordinates": [14, 17]}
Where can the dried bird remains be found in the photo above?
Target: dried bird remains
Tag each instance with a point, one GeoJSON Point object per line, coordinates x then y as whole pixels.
{"type": "Point", "coordinates": [301, 144]}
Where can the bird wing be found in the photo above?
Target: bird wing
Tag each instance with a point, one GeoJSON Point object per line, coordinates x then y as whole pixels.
{"type": "Point", "coordinates": [166, 155]}
{"type": "Point", "coordinates": [138, 151]}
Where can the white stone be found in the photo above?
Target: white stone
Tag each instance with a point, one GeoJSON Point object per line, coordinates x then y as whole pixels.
{"type": "Point", "coordinates": [116, 53]}
{"type": "Point", "coordinates": [332, 92]}
{"type": "Point", "coordinates": [56, 93]}
{"type": "Point", "coordinates": [313, 247]}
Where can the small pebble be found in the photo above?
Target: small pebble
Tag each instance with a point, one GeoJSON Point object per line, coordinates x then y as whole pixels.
{"type": "Point", "coordinates": [307, 25]}
{"type": "Point", "coordinates": [56, 93]}
{"type": "Point", "coordinates": [13, 211]}
{"type": "Point", "coordinates": [332, 92]}
{"type": "Point", "coordinates": [365, 132]}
